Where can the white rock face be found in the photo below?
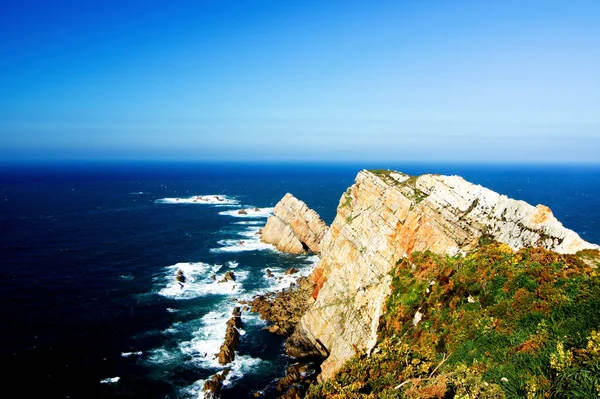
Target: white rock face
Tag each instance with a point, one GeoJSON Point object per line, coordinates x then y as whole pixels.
{"type": "Point", "coordinates": [384, 217]}
{"type": "Point", "coordinates": [512, 222]}
{"type": "Point", "coordinates": [294, 227]}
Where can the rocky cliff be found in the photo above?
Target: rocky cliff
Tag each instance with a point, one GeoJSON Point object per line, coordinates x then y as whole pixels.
{"type": "Point", "coordinates": [384, 217]}
{"type": "Point", "coordinates": [294, 227]}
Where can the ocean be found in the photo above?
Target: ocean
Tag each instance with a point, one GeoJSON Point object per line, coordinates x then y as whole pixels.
{"type": "Point", "coordinates": [90, 250]}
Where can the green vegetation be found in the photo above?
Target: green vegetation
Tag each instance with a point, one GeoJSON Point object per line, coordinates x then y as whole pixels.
{"type": "Point", "coordinates": [411, 184]}
{"type": "Point", "coordinates": [383, 173]}
{"type": "Point", "coordinates": [347, 198]}
{"type": "Point", "coordinates": [495, 324]}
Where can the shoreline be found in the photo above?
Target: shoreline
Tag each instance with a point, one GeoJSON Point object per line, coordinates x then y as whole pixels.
{"type": "Point", "coordinates": [283, 309]}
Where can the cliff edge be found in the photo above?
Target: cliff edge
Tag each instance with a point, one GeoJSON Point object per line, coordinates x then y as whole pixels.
{"type": "Point", "coordinates": [380, 220]}
{"type": "Point", "coordinates": [294, 227]}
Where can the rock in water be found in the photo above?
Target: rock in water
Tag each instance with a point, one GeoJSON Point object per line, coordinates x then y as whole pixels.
{"type": "Point", "coordinates": [294, 227]}
{"type": "Point", "coordinates": [212, 386]}
{"type": "Point", "coordinates": [232, 338]}
{"type": "Point", "coordinates": [284, 308]}
{"type": "Point", "coordinates": [383, 217]}
{"type": "Point", "coordinates": [229, 276]}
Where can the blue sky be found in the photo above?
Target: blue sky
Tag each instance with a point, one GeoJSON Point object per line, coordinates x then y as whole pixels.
{"type": "Point", "coordinates": [301, 80]}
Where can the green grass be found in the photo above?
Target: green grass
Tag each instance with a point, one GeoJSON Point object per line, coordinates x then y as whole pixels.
{"type": "Point", "coordinates": [496, 324]}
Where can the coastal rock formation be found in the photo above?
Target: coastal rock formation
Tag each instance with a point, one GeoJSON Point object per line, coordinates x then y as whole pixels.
{"type": "Point", "coordinates": [229, 276]}
{"type": "Point", "coordinates": [296, 381]}
{"type": "Point", "coordinates": [384, 217]}
{"type": "Point", "coordinates": [212, 386]}
{"type": "Point", "coordinates": [284, 308]}
{"type": "Point", "coordinates": [294, 227]}
{"type": "Point", "coordinates": [232, 338]}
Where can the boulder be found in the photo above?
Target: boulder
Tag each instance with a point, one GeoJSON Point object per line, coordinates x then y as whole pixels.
{"type": "Point", "coordinates": [229, 276]}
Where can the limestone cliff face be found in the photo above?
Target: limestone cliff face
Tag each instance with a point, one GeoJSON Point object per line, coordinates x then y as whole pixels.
{"type": "Point", "coordinates": [294, 227]}
{"type": "Point", "coordinates": [387, 215]}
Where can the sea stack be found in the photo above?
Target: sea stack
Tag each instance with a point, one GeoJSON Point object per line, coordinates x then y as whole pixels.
{"type": "Point", "coordinates": [294, 227]}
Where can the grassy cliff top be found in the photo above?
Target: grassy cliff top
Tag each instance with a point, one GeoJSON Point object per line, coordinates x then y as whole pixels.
{"type": "Point", "coordinates": [492, 324]}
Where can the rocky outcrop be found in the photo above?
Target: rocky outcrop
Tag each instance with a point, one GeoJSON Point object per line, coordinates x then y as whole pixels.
{"type": "Point", "coordinates": [229, 276]}
{"type": "Point", "coordinates": [284, 308]}
{"type": "Point", "coordinates": [294, 227]}
{"type": "Point", "coordinates": [232, 338]}
{"type": "Point", "coordinates": [296, 381]}
{"type": "Point", "coordinates": [383, 217]}
{"type": "Point", "coordinates": [212, 386]}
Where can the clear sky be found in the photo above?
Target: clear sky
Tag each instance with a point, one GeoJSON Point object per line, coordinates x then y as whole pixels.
{"type": "Point", "coordinates": [301, 80]}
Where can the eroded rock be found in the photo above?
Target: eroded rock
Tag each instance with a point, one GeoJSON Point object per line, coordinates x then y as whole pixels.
{"type": "Point", "coordinates": [294, 227]}
{"type": "Point", "coordinates": [212, 386]}
{"type": "Point", "coordinates": [229, 276]}
{"type": "Point", "coordinates": [284, 308]}
{"type": "Point", "coordinates": [232, 338]}
{"type": "Point", "coordinates": [296, 381]}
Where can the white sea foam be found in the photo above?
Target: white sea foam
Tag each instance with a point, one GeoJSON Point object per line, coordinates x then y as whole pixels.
{"type": "Point", "coordinates": [112, 380]}
{"type": "Point", "coordinates": [170, 331]}
{"type": "Point", "coordinates": [194, 390]}
{"type": "Point", "coordinates": [280, 280]}
{"type": "Point", "coordinates": [240, 366]}
{"type": "Point", "coordinates": [207, 339]}
{"type": "Point", "coordinates": [249, 212]}
{"type": "Point", "coordinates": [204, 347]}
{"type": "Point", "coordinates": [251, 222]}
{"type": "Point", "coordinates": [138, 193]}
{"type": "Point", "coordinates": [242, 245]}
{"type": "Point", "coordinates": [202, 338]}
{"type": "Point", "coordinates": [250, 232]}
{"type": "Point", "coordinates": [199, 281]}
{"type": "Point", "coordinates": [200, 199]}
{"type": "Point", "coordinates": [163, 356]}
{"type": "Point", "coordinates": [129, 354]}
{"type": "Point", "coordinates": [250, 242]}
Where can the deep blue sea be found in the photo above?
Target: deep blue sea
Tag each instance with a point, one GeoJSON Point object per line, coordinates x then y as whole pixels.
{"type": "Point", "coordinates": [89, 253]}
